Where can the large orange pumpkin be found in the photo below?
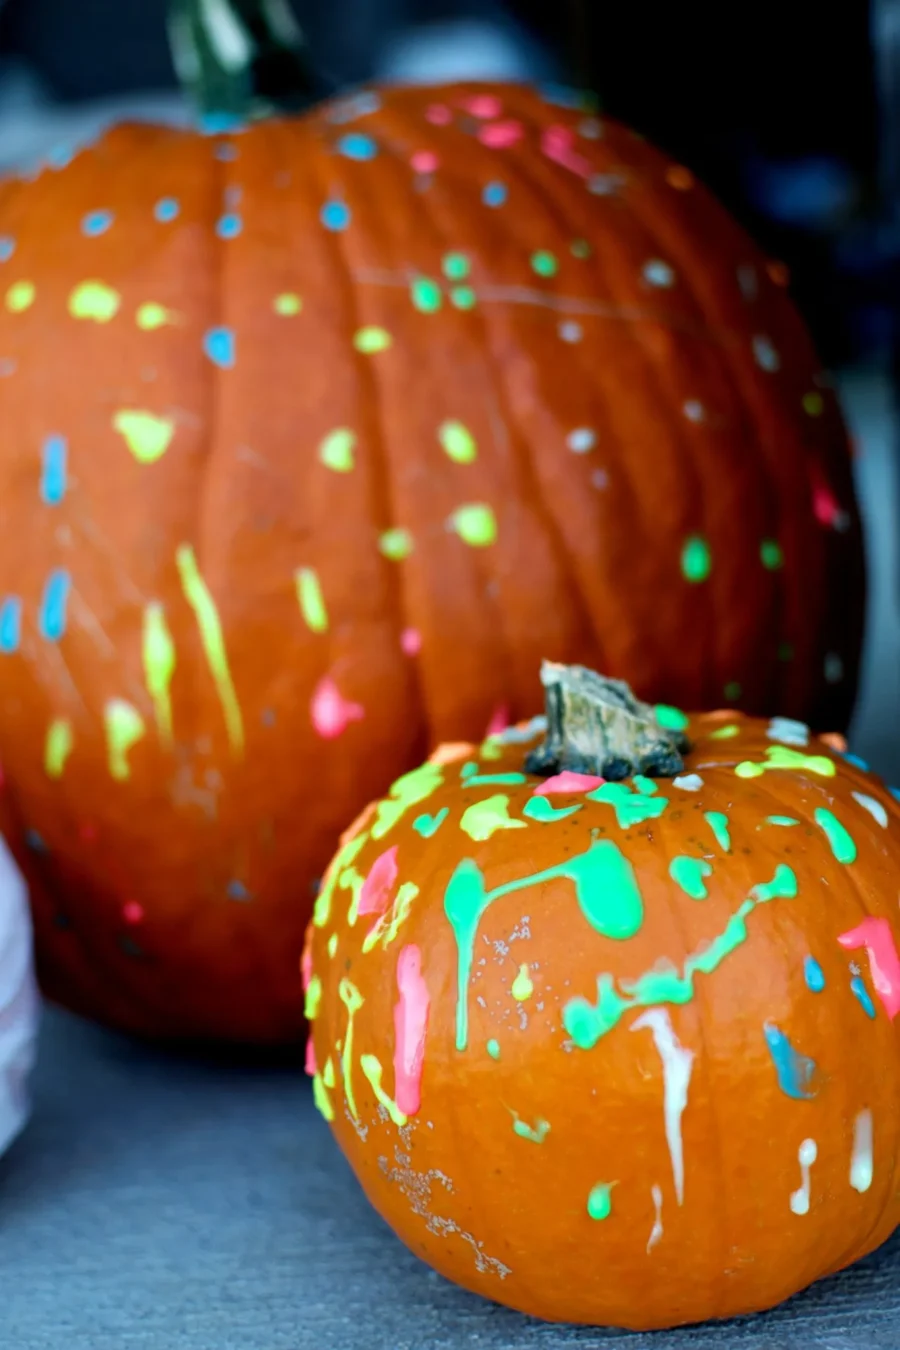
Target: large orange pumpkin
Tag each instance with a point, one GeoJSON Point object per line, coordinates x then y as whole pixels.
{"type": "Point", "coordinates": [620, 1052]}
{"type": "Point", "coordinates": [316, 436]}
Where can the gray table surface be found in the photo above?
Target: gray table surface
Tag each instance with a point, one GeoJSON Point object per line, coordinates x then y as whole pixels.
{"type": "Point", "coordinates": [162, 1202]}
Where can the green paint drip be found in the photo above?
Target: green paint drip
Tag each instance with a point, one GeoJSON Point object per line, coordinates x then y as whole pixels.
{"type": "Point", "coordinates": [427, 826]}
{"type": "Point", "coordinates": [485, 818]}
{"type": "Point", "coordinates": [352, 1000]}
{"type": "Point", "coordinates": [540, 809]}
{"type": "Point", "coordinates": [605, 886]}
{"type": "Point", "coordinates": [838, 836]}
{"type": "Point", "coordinates": [124, 728]}
{"type": "Point", "coordinates": [322, 1099]}
{"type": "Point", "coordinates": [781, 820]}
{"type": "Point", "coordinates": [696, 559]}
{"type": "Point", "coordinates": [587, 1022]}
{"type": "Point", "coordinates": [334, 877]}
{"type": "Point", "coordinates": [493, 1048]}
{"type": "Point", "coordinates": [535, 1134]}
{"type": "Point", "coordinates": [204, 607]}
{"type": "Point", "coordinates": [673, 719]}
{"type": "Point", "coordinates": [783, 757]}
{"type": "Point", "coordinates": [631, 808]}
{"type": "Point", "coordinates": [522, 987]}
{"type": "Point", "coordinates": [159, 667]}
{"type": "Point", "coordinates": [689, 874]}
{"type": "Point", "coordinates": [718, 823]}
{"type": "Point", "coordinates": [313, 1000]}
{"type": "Point", "coordinates": [458, 443]}
{"type": "Point", "coordinates": [426, 295]}
{"type": "Point", "coordinates": [372, 1069]}
{"type": "Point", "coordinates": [599, 1205]}
{"type": "Point", "coordinates": [311, 600]}
{"type": "Point", "coordinates": [407, 791]}
{"type": "Point", "coordinates": [58, 747]}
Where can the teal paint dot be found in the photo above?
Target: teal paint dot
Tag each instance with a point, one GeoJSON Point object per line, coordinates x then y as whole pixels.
{"type": "Point", "coordinates": [696, 559]}
{"type": "Point", "coordinates": [456, 266]}
{"type": "Point", "coordinates": [96, 223]}
{"type": "Point", "coordinates": [493, 1048]}
{"type": "Point", "coordinates": [335, 216]}
{"type": "Point", "coordinates": [426, 295]}
{"type": "Point", "coordinates": [463, 297]}
{"type": "Point", "coordinates": [771, 555]}
{"type": "Point", "coordinates": [357, 146]}
{"type": "Point", "coordinates": [495, 194]}
{"type": "Point", "coordinates": [544, 263]}
{"type": "Point", "coordinates": [166, 210]}
{"type": "Point", "coordinates": [229, 226]}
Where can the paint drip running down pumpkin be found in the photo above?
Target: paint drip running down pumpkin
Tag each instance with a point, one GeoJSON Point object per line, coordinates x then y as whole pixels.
{"type": "Point", "coordinates": [318, 434]}
{"type": "Point", "coordinates": [665, 1009]}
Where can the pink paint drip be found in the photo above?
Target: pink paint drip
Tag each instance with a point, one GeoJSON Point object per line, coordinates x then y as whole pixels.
{"type": "Point", "coordinates": [567, 781]}
{"type": "Point", "coordinates": [438, 114]}
{"type": "Point", "coordinates": [557, 143]}
{"type": "Point", "coordinates": [410, 1023]}
{"type": "Point", "coordinates": [310, 1062]}
{"type": "Point", "coordinates": [306, 968]}
{"type": "Point", "coordinates": [424, 161]}
{"type": "Point", "coordinates": [331, 713]}
{"type": "Point", "coordinates": [411, 641]}
{"type": "Point", "coordinates": [878, 939]}
{"type": "Point", "coordinates": [484, 105]}
{"type": "Point", "coordinates": [500, 135]}
{"type": "Point", "coordinates": [499, 720]}
{"type": "Point", "coordinates": [378, 886]}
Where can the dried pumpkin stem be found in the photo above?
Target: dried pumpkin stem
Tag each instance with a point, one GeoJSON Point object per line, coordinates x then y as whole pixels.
{"type": "Point", "coordinates": [596, 725]}
{"type": "Point", "coordinates": [241, 59]}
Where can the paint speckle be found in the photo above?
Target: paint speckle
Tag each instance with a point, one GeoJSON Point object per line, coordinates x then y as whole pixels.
{"type": "Point", "coordinates": [457, 442]}
{"type": "Point", "coordinates": [54, 458]}
{"type": "Point", "coordinates": [522, 985]}
{"type": "Point", "coordinates": [581, 440]}
{"type": "Point", "coordinates": [456, 266]}
{"type": "Point", "coordinates": [395, 544]}
{"type": "Point", "coordinates": [410, 641]}
{"type": "Point", "coordinates": [426, 295]}
{"type": "Point", "coordinates": [354, 145]}
{"type": "Point", "coordinates": [673, 719]}
{"type": "Point", "coordinates": [765, 355]}
{"type": "Point", "coordinates": [166, 210]}
{"type": "Point", "coordinates": [147, 436]}
{"type": "Point", "coordinates": [159, 661]}
{"type": "Point", "coordinates": [877, 937]}
{"type": "Point", "coordinates": [7, 247]}
{"type": "Point", "coordinates": [501, 135]}
{"type": "Point", "coordinates": [495, 194]}
{"type": "Point", "coordinates": [96, 223]}
{"type": "Point", "coordinates": [336, 450]}
{"type": "Point", "coordinates": [814, 975]}
{"type": "Point", "coordinates": [875, 808]}
{"type": "Point", "coordinates": [658, 273]}
{"type": "Point", "coordinates": [94, 301]}
{"type": "Point", "coordinates": [771, 555]}
{"type": "Point", "coordinates": [544, 264]}
{"type": "Point", "coordinates": [475, 524]}
{"type": "Point", "coordinates": [372, 340]}
{"type": "Point", "coordinates": [813, 404]}
{"type": "Point", "coordinates": [788, 730]}
{"type": "Point", "coordinates": [331, 714]}
{"type": "Point", "coordinates": [493, 1048]}
{"type": "Point", "coordinates": [20, 296]}
{"type": "Point", "coordinates": [599, 1204]}
{"type": "Point", "coordinates": [58, 746]}
{"type": "Point", "coordinates": [796, 1073]}
{"type": "Point", "coordinates": [10, 624]}
{"type": "Point", "coordinates": [424, 162]}
{"type": "Point", "coordinates": [54, 604]}
{"type": "Point", "coordinates": [151, 316]}
{"type": "Point", "coordinates": [288, 304]}
{"type": "Point", "coordinates": [199, 597]}
{"type": "Point", "coordinates": [483, 819]}
{"type": "Point", "coordinates": [839, 838]}
{"type": "Point", "coordinates": [696, 559]}
{"type": "Point", "coordinates": [690, 875]}
{"type": "Point", "coordinates": [229, 225]}
{"type": "Point", "coordinates": [335, 216]}
{"type": "Point", "coordinates": [463, 297]}
{"type": "Point", "coordinates": [570, 331]}
{"type": "Point", "coordinates": [807, 1155]}
{"type": "Point", "coordinates": [219, 346]}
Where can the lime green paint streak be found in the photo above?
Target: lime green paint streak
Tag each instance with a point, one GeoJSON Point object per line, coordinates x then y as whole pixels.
{"type": "Point", "coordinates": [475, 524]}
{"type": "Point", "coordinates": [407, 791]}
{"type": "Point", "coordinates": [386, 929]}
{"type": "Point", "coordinates": [352, 1000]}
{"type": "Point", "coordinates": [335, 877]}
{"type": "Point", "coordinates": [93, 300]}
{"type": "Point", "coordinates": [587, 1022]}
{"type": "Point", "coordinates": [690, 874]}
{"type": "Point", "coordinates": [328, 1077]}
{"type": "Point", "coordinates": [58, 747]}
{"type": "Point", "coordinates": [781, 820]}
{"type": "Point", "coordinates": [727, 733]}
{"type": "Point", "coordinates": [458, 443]}
{"type": "Point", "coordinates": [493, 1048]}
{"type": "Point", "coordinates": [673, 719]}
{"type": "Point", "coordinates": [427, 826]}
{"type": "Point", "coordinates": [322, 1099]}
{"type": "Point", "coordinates": [124, 728]}
{"type": "Point", "coordinates": [371, 1067]}
{"type": "Point", "coordinates": [540, 809]}
{"type": "Point", "coordinates": [495, 779]}
{"type": "Point", "coordinates": [147, 436]}
{"type": "Point", "coordinates": [599, 1205]}
{"type": "Point", "coordinates": [783, 757]}
{"type": "Point", "coordinates": [311, 599]}
{"type": "Point", "coordinates": [536, 1134]}
{"type": "Point", "coordinates": [332, 944]}
{"type": "Point", "coordinates": [838, 836]}
{"type": "Point", "coordinates": [159, 667]}
{"type": "Point", "coordinates": [313, 999]}
{"type": "Point", "coordinates": [718, 823]}
{"type": "Point", "coordinates": [353, 881]}
{"type": "Point", "coordinates": [204, 607]}
{"type": "Point", "coordinates": [522, 986]}
{"type": "Point", "coordinates": [631, 808]}
{"type": "Point", "coordinates": [605, 886]}
{"type": "Point", "coordinates": [485, 818]}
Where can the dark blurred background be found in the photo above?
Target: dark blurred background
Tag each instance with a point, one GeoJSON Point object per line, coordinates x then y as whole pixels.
{"type": "Point", "coordinates": [790, 111]}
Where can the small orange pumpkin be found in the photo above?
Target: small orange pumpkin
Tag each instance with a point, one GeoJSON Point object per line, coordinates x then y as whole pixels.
{"type": "Point", "coordinates": [619, 1052]}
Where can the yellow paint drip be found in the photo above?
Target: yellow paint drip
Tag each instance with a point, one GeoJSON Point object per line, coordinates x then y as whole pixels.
{"type": "Point", "coordinates": [58, 747]}
{"type": "Point", "coordinates": [159, 667]}
{"type": "Point", "coordinates": [371, 1067]}
{"type": "Point", "coordinates": [147, 436]}
{"type": "Point", "coordinates": [124, 728]}
{"type": "Point", "coordinates": [311, 599]}
{"type": "Point", "coordinates": [204, 607]}
{"type": "Point", "coordinates": [94, 300]}
{"type": "Point", "coordinates": [322, 1099]}
{"type": "Point", "coordinates": [522, 988]}
{"type": "Point", "coordinates": [352, 1000]}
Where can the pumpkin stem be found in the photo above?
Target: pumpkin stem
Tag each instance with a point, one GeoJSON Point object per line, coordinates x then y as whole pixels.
{"type": "Point", "coordinates": [596, 725]}
{"type": "Point", "coordinates": [241, 59]}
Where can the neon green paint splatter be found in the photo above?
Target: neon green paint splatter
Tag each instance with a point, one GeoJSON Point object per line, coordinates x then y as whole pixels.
{"type": "Point", "coordinates": [352, 881]}
{"type": "Point", "coordinates": [605, 887]}
{"type": "Point", "coordinates": [631, 808]}
{"type": "Point", "coordinates": [332, 944]}
{"type": "Point", "coordinates": [771, 555]}
{"type": "Point", "coordinates": [313, 1000]}
{"type": "Point", "coordinates": [322, 1099]}
{"type": "Point", "coordinates": [20, 296]}
{"type": "Point", "coordinates": [328, 1075]}
{"type": "Point", "coordinates": [495, 779]}
{"type": "Point", "coordinates": [372, 1069]}
{"type": "Point", "coordinates": [522, 986]}
{"type": "Point", "coordinates": [151, 316]}
{"type": "Point", "coordinates": [781, 820]}
{"type": "Point", "coordinates": [457, 442]}
{"type": "Point", "coordinates": [689, 874]}
{"type": "Point", "coordinates": [783, 757]}
{"type": "Point", "coordinates": [407, 791]}
{"type": "Point", "coordinates": [352, 1000]}
{"type": "Point", "coordinates": [838, 836]}
{"type": "Point", "coordinates": [587, 1022]}
{"type": "Point", "coordinates": [334, 877]}
{"type": "Point", "coordinates": [396, 544]}
{"type": "Point", "coordinates": [370, 341]}
{"type": "Point", "coordinates": [204, 607]}
{"type": "Point", "coordinates": [718, 823]}
{"type": "Point", "coordinates": [456, 266]}
{"type": "Point", "coordinates": [311, 599]}
{"type": "Point", "coordinates": [426, 295]}
{"type": "Point", "coordinates": [427, 826]}
{"type": "Point", "coordinates": [94, 300]}
{"type": "Point", "coordinates": [540, 809]}
{"type": "Point", "coordinates": [536, 1133]}
{"type": "Point", "coordinates": [493, 1048]}
{"type": "Point", "coordinates": [645, 786]}
{"type": "Point", "coordinates": [58, 746]}
{"type": "Point", "coordinates": [336, 450]}
{"type": "Point", "coordinates": [288, 304]}
{"type": "Point", "coordinates": [159, 667]}
{"type": "Point", "coordinates": [599, 1205]}
{"type": "Point", "coordinates": [726, 733]}
{"type": "Point", "coordinates": [388, 926]}
{"type": "Point", "coordinates": [124, 728]}
{"type": "Point", "coordinates": [475, 524]}
{"type": "Point", "coordinates": [148, 437]}
{"type": "Point", "coordinates": [696, 559]}
{"type": "Point", "coordinates": [673, 719]}
{"type": "Point", "coordinates": [485, 818]}
{"type": "Point", "coordinates": [544, 263]}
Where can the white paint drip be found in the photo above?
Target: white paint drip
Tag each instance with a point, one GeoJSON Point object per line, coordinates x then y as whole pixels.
{"type": "Point", "coordinates": [689, 782]}
{"type": "Point", "coordinates": [861, 1165]}
{"type": "Point", "coordinates": [677, 1066]}
{"type": "Point", "coordinates": [789, 731]}
{"type": "Point", "coordinates": [657, 1232]}
{"type": "Point", "coordinates": [227, 35]}
{"type": "Point", "coordinates": [874, 808]}
{"type": "Point", "coordinates": [807, 1155]}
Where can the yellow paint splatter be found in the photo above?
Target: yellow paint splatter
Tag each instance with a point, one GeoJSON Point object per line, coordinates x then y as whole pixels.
{"type": "Point", "coordinates": [475, 524]}
{"type": "Point", "coordinates": [328, 1073]}
{"type": "Point", "coordinates": [159, 666]}
{"type": "Point", "coordinates": [371, 1067]}
{"type": "Point", "coordinates": [58, 747]}
{"type": "Point", "coordinates": [94, 300]}
{"type": "Point", "coordinates": [204, 607]}
{"type": "Point", "coordinates": [313, 1000]}
{"type": "Point", "coordinates": [522, 987]}
{"type": "Point", "coordinates": [147, 436]}
{"type": "Point", "coordinates": [352, 1000]}
{"type": "Point", "coordinates": [311, 599]}
{"type": "Point", "coordinates": [396, 544]}
{"type": "Point", "coordinates": [372, 340]}
{"type": "Point", "coordinates": [457, 442]}
{"type": "Point", "coordinates": [287, 305]}
{"type": "Point", "coordinates": [336, 450]}
{"type": "Point", "coordinates": [124, 728]}
{"type": "Point", "coordinates": [332, 944]}
{"type": "Point", "coordinates": [20, 296]}
{"type": "Point", "coordinates": [151, 316]}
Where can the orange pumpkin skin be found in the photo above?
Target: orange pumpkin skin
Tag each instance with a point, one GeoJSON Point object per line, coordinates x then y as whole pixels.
{"type": "Point", "coordinates": [311, 456]}
{"type": "Point", "coordinates": [691, 1122]}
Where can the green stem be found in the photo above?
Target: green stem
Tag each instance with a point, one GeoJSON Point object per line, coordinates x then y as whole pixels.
{"type": "Point", "coordinates": [596, 725]}
{"type": "Point", "coordinates": [241, 59]}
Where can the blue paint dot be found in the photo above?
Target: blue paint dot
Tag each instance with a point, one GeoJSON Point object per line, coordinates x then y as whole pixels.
{"type": "Point", "coordinates": [166, 209]}
{"type": "Point", "coordinates": [10, 623]}
{"type": "Point", "coordinates": [229, 226]}
{"type": "Point", "coordinates": [335, 215]}
{"type": "Point", "coordinates": [219, 346]}
{"type": "Point", "coordinates": [814, 975]}
{"type": "Point", "coordinates": [96, 222]}
{"type": "Point", "coordinates": [7, 247]}
{"type": "Point", "coordinates": [218, 123]}
{"type": "Point", "coordinates": [236, 890]}
{"type": "Point", "coordinates": [494, 194]}
{"type": "Point", "coordinates": [357, 146]}
{"type": "Point", "coordinates": [52, 619]}
{"type": "Point", "coordinates": [855, 759]}
{"type": "Point", "coordinates": [862, 993]}
{"type": "Point", "coordinates": [53, 473]}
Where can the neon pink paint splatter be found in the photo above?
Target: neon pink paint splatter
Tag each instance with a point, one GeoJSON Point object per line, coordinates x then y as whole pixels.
{"type": "Point", "coordinates": [826, 508]}
{"type": "Point", "coordinates": [568, 782]}
{"type": "Point", "coordinates": [877, 938]}
{"type": "Point", "coordinates": [331, 713]}
{"type": "Point", "coordinates": [484, 105]}
{"type": "Point", "coordinates": [410, 1023]}
{"type": "Point", "coordinates": [132, 911]}
{"type": "Point", "coordinates": [379, 884]}
{"type": "Point", "coordinates": [425, 161]}
{"type": "Point", "coordinates": [499, 720]}
{"type": "Point", "coordinates": [557, 143]}
{"type": "Point", "coordinates": [306, 968]}
{"type": "Point", "coordinates": [310, 1062]}
{"type": "Point", "coordinates": [500, 135]}
{"type": "Point", "coordinates": [411, 641]}
{"type": "Point", "coordinates": [438, 114]}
